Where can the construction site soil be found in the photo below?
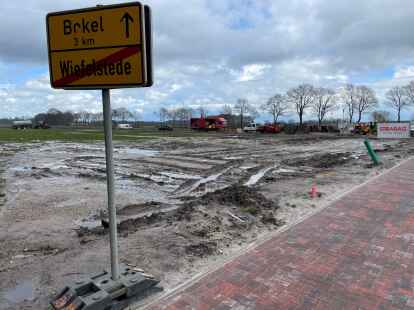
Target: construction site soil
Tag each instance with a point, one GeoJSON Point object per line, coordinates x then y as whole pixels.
{"type": "Point", "coordinates": [184, 205]}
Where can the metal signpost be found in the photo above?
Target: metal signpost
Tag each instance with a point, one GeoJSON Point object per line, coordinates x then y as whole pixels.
{"type": "Point", "coordinates": [102, 47]}
{"type": "Point", "coordinates": [113, 240]}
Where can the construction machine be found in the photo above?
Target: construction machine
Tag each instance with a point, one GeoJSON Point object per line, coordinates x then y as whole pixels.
{"type": "Point", "coordinates": [364, 128]}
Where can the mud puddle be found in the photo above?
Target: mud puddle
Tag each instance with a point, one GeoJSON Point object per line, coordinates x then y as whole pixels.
{"type": "Point", "coordinates": [182, 203]}
{"type": "Point", "coordinates": [20, 293]}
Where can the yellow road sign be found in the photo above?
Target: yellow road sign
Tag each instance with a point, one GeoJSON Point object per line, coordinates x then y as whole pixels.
{"type": "Point", "coordinates": [100, 47]}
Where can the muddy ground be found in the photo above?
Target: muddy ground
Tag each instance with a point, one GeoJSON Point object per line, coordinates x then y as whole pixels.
{"type": "Point", "coordinates": [184, 204]}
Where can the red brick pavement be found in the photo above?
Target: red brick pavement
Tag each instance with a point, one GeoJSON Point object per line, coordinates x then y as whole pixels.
{"type": "Point", "coordinates": [355, 254]}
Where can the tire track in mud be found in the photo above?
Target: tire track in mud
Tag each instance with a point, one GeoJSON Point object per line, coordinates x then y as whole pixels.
{"type": "Point", "coordinates": [264, 160]}
{"type": "Point", "coordinates": [3, 164]}
{"type": "Point", "coordinates": [177, 236]}
{"type": "Point", "coordinates": [6, 152]}
{"type": "Point", "coordinates": [190, 172]}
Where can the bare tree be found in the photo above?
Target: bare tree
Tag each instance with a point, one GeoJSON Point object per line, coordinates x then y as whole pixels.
{"type": "Point", "coordinates": [172, 115]}
{"type": "Point", "coordinates": [397, 98]}
{"type": "Point", "coordinates": [77, 117]}
{"type": "Point", "coordinates": [203, 111]}
{"type": "Point", "coordinates": [301, 97]}
{"type": "Point", "coordinates": [243, 108]}
{"type": "Point", "coordinates": [366, 100]}
{"type": "Point", "coordinates": [409, 91]}
{"type": "Point", "coordinates": [380, 116]}
{"type": "Point", "coordinates": [163, 113]}
{"type": "Point", "coordinates": [115, 114]}
{"type": "Point", "coordinates": [87, 116]}
{"type": "Point", "coordinates": [253, 112]}
{"type": "Point", "coordinates": [324, 102]}
{"type": "Point", "coordinates": [99, 116]}
{"type": "Point", "coordinates": [184, 115]}
{"type": "Point", "coordinates": [136, 115]}
{"type": "Point", "coordinates": [350, 98]}
{"type": "Point", "coordinates": [227, 110]}
{"type": "Point", "coordinates": [94, 118]}
{"type": "Point", "coordinates": [276, 106]}
{"type": "Point", "coordinates": [124, 114]}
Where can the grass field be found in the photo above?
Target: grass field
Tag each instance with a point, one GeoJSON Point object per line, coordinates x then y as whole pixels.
{"type": "Point", "coordinates": [89, 135]}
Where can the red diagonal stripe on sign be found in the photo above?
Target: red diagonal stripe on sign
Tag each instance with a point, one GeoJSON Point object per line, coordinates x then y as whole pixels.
{"type": "Point", "coordinates": [111, 59]}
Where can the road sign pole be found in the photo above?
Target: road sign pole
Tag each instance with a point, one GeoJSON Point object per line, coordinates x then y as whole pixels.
{"type": "Point", "coordinates": [116, 52]}
{"type": "Point", "coordinates": [113, 239]}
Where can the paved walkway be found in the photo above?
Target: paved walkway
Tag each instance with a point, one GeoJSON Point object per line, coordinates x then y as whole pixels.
{"type": "Point", "coordinates": [355, 254]}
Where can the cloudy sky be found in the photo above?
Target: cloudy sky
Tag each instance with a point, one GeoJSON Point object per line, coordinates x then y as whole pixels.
{"type": "Point", "coordinates": [211, 52]}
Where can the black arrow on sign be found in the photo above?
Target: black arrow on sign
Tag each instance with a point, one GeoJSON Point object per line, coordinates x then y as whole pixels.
{"type": "Point", "coordinates": [127, 18]}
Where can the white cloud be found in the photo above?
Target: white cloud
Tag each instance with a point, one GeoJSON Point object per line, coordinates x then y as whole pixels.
{"type": "Point", "coordinates": [41, 83]}
{"type": "Point", "coordinates": [175, 87]}
{"type": "Point", "coordinates": [338, 77]}
{"type": "Point", "coordinates": [404, 73]}
{"type": "Point", "coordinates": [211, 52]}
{"type": "Point", "coordinates": [155, 95]}
{"type": "Point", "coordinates": [252, 72]}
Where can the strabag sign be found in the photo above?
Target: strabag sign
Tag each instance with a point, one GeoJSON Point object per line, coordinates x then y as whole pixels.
{"type": "Point", "coordinates": [393, 130]}
{"type": "Point", "coordinates": [100, 47]}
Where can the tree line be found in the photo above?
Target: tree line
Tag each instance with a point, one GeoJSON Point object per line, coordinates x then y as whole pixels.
{"type": "Point", "coordinates": [55, 117]}
{"type": "Point", "coordinates": [305, 99]}
{"type": "Point", "coordinates": [319, 101]}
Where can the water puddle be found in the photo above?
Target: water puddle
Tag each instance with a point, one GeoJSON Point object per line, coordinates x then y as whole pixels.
{"type": "Point", "coordinates": [283, 170]}
{"type": "Point", "coordinates": [180, 176]}
{"type": "Point", "coordinates": [256, 177]}
{"type": "Point", "coordinates": [20, 168]}
{"type": "Point", "coordinates": [233, 158]}
{"type": "Point", "coordinates": [88, 224]}
{"type": "Point", "coordinates": [21, 292]}
{"type": "Point", "coordinates": [193, 187]}
{"type": "Point", "coordinates": [137, 152]}
{"type": "Point", "coordinates": [248, 167]}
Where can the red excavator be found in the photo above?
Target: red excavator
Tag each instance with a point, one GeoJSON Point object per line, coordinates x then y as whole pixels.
{"type": "Point", "coordinates": [208, 123]}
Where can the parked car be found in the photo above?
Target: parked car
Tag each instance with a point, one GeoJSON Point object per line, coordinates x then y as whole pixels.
{"type": "Point", "coordinates": [165, 127]}
{"type": "Point", "coordinates": [125, 126]}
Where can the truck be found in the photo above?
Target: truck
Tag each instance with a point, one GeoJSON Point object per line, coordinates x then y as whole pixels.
{"type": "Point", "coordinates": [208, 123]}
{"type": "Point", "coordinates": [22, 124]}
{"type": "Point", "coordinates": [42, 125]}
{"type": "Point", "coordinates": [270, 128]}
{"type": "Point", "coordinates": [251, 127]}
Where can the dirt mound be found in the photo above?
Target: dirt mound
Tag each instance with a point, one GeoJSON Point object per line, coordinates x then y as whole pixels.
{"type": "Point", "coordinates": [204, 225]}
{"type": "Point", "coordinates": [239, 196]}
{"type": "Point", "coordinates": [133, 224]}
{"type": "Point", "coordinates": [139, 208]}
{"type": "Point", "coordinates": [327, 160]}
{"type": "Point", "coordinates": [183, 213]}
{"type": "Point", "coordinates": [269, 218]}
{"type": "Point", "coordinates": [202, 249]}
